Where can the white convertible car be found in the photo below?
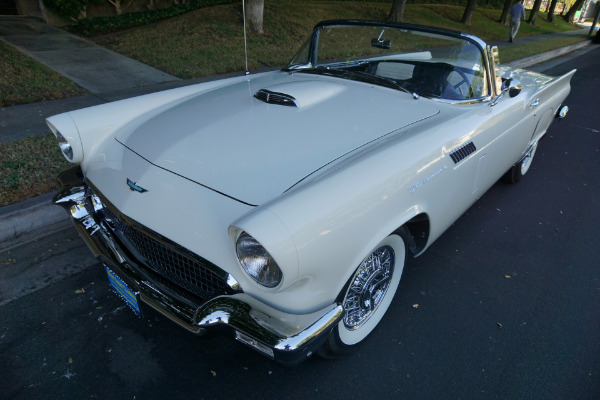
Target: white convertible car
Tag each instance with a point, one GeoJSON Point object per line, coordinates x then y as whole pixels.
{"type": "Point", "coordinates": [281, 207]}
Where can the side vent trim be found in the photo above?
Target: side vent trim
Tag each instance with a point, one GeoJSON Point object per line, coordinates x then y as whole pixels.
{"type": "Point", "coordinates": [281, 99]}
{"type": "Point", "coordinates": [463, 152]}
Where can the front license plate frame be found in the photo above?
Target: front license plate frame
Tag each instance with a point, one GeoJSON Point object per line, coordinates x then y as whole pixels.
{"type": "Point", "coordinates": [124, 291]}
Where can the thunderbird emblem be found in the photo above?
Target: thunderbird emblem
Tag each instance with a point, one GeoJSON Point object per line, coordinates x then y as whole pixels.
{"type": "Point", "coordinates": [133, 186]}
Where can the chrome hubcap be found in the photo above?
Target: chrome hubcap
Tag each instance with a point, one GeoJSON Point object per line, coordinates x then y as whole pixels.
{"type": "Point", "coordinates": [368, 287]}
{"type": "Point", "coordinates": [526, 163]}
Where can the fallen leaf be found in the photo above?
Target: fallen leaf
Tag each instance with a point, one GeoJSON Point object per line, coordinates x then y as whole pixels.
{"type": "Point", "coordinates": [499, 324]}
{"type": "Point", "coordinates": [213, 373]}
{"type": "Point", "coordinates": [507, 276]}
{"type": "Point", "coordinates": [70, 360]}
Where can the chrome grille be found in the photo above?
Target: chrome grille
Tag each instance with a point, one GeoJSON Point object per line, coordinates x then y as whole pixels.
{"type": "Point", "coordinates": [169, 260]}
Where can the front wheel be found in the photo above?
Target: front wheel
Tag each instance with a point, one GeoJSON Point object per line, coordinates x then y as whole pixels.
{"type": "Point", "coordinates": [368, 295]}
{"type": "Point", "coordinates": [518, 170]}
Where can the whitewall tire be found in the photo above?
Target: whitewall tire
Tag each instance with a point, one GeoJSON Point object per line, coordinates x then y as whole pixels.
{"type": "Point", "coordinates": [368, 295]}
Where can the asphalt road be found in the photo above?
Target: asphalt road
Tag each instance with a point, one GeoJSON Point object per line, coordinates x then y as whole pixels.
{"type": "Point", "coordinates": [505, 305]}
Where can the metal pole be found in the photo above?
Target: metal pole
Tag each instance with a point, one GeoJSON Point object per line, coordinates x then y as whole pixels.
{"type": "Point", "coordinates": [595, 20]}
{"type": "Point", "coordinates": [245, 46]}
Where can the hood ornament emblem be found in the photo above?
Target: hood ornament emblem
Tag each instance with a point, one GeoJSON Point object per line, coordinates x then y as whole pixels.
{"type": "Point", "coordinates": [134, 187]}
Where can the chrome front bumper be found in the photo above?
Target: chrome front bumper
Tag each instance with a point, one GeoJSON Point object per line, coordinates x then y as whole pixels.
{"type": "Point", "coordinates": [286, 338]}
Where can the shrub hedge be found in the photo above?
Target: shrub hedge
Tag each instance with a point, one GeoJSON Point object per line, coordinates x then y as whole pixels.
{"type": "Point", "coordinates": [71, 9]}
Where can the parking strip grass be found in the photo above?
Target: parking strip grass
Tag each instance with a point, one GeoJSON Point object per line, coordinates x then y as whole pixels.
{"type": "Point", "coordinates": [518, 51]}
{"type": "Point", "coordinates": [28, 167]}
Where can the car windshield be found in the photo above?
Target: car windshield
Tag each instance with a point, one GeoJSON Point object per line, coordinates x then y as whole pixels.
{"type": "Point", "coordinates": [424, 63]}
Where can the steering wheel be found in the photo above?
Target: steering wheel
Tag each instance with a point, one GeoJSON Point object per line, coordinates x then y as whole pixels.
{"type": "Point", "coordinates": [464, 81]}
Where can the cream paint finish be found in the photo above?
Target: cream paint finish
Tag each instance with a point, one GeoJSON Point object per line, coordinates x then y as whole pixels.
{"type": "Point", "coordinates": [372, 158]}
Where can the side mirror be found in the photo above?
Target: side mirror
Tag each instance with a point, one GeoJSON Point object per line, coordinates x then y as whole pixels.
{"type": "Point", "coordinates": [512, 86]}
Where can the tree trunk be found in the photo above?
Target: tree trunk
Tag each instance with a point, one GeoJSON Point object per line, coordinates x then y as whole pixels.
{"type": "Point", "coordinates": [397, 11]}
{"type": "Point", "coordinates": [551, 11]}
{"type": "Point", "coordinates": [466, 18]}
{"type": "Point", "coordinates": [571, 13]}
{"type": "Point", "coordinates": [505, 12]}
{"type": "Point", "coordinates": [254, 14]}
{"type": "Point", "coordinates": [534, 12]}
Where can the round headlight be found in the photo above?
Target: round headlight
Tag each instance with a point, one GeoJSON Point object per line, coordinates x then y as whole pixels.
{"type": "Point", "coordinates": [257, 262]}
{"type": "Point", "coordinates": [67, 137]}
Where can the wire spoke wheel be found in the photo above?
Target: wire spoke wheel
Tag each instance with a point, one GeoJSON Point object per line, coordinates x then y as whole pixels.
{"type": "Point", "coordinates": [368, 287]}
{"type": "Point", "coordinates": [367, 296]}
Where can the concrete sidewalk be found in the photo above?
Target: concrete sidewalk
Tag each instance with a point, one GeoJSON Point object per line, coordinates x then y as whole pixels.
{"type": "Point", "coordinates": [519, 40]}
{"type": "Point", "coordinates": [108, 76]}
{"type": "Point", "coordinates": [92, 67]}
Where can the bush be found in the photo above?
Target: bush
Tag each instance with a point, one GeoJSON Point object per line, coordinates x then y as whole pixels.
{"type": "Point", "coordinates": [70, 9]}
{"type": "Point", "coordinates": [93, 26]}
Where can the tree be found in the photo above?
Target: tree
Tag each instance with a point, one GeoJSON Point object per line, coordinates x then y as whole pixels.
{"type": "Point", "coordinates": [505, 12]}
{"type": "Point", "coordinates": [551, 11]}
{"type": "Point", "coordinates": [397, 11]}
{"type": "Point", "coordinates": [466, 18]}
{"type": "Point", "coordinates": [534, 12]}
{"type": "Point", "coordinates": [571, 13]}
{"type": "Point", "coordinates": [254, 12]}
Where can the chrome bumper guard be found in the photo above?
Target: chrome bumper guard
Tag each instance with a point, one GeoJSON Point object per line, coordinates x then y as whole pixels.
{"type": "Point", "coordinates": [286, 338]}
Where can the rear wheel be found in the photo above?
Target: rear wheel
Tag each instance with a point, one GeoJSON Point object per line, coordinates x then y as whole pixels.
{"type": "Point", "coordinates": [368, 295]}
{"type": "Point", "coordinates": [518, 170]}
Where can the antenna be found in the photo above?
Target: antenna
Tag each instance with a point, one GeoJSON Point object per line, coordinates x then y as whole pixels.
{"type": "Point", "coordinates": [245, 45]}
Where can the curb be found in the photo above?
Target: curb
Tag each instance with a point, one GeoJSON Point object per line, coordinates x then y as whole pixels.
{"type": "Point", "coordinates": [29, 220]}
{"type": "Point", "coordinates": [542, 57]}
{"type": "Point", "coordinates": [36, 217]}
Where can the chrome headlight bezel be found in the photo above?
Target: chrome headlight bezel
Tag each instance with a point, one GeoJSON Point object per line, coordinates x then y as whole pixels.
{"type": "Point", "coordinates": [64, 146]}
{"type": "Point", "coordinates": [256, 261]}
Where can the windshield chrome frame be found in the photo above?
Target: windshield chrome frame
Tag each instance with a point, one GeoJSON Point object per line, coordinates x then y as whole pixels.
{"type": "Point", "coordinates": [480, 44]}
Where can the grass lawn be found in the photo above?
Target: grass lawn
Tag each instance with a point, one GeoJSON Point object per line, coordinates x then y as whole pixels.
{"type": "Point", "coordinates": [210, 41]}
{"type": "Point", "coordinates": [28, 167]}
{"type": "Point", "coordinates": [24, 80]}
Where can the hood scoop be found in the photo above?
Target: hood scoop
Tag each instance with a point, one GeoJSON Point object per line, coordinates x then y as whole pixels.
{"type": "Point", "coordinates": [271, 97]}
{"type": "Point", "coordinates": [299, 94]}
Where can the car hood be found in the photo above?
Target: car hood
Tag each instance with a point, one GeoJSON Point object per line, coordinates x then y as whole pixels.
{"type": "Point", "coordinates": [252, 150]}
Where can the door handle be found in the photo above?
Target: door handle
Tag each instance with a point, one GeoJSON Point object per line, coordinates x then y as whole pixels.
{"type": "Point", "coordinates": [535, 103]}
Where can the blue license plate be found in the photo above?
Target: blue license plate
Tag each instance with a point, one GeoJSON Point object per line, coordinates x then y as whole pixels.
{"type": "Point", "coordinates": [123, 290]}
